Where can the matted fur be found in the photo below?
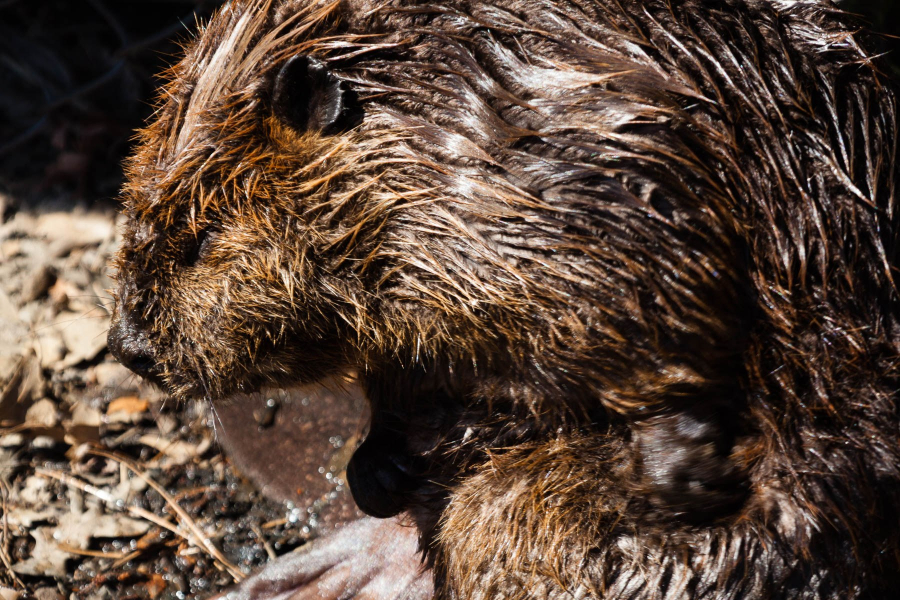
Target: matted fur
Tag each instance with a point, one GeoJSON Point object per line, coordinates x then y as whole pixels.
{"type": "Point", "coordinates": [575, 249]}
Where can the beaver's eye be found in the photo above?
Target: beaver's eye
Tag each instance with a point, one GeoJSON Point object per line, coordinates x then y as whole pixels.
{"type": "Point", "coordinates": [198, 248]}
{"type": "Point", "coordinates": [306, 96]}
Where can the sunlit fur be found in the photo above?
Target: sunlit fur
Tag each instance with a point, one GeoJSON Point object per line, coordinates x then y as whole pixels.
{"type": "Point", "coordinates": [561, 227]}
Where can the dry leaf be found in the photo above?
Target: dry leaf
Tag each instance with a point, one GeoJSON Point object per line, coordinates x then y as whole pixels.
{"type": "Point", "coordinates": [176, 452]}
{"type": "Point", "coordinates": [23, 386]}
{"type": "Point", "coordinates": [47, 593]}
{"type": "Point", "coordinates": [74, 531]}
{"type": "Point", "coordinates": [129, 405]}
{"type": "Point", "coordinates": [156, 585]}
{"type": "Point", "coordinates": [27, 518]}
{"type": "Point", "coordinates": [38, 283]}
{"type": "Point", "coordinates": [79, 229]}
{"type": "Point", "coordinates": [46, 558]}
{"type": "Point", "coordinates": [49, 347]}
{"type": "Point", "coordinates": [110, 374]}
{"type": "Point", "coordinates": [84, 336]}
{"type": "Point", "coordinates": [84, 426]}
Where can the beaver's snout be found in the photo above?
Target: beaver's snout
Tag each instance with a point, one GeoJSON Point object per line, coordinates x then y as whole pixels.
{"type": "Point", "coordinates": [131, 346]}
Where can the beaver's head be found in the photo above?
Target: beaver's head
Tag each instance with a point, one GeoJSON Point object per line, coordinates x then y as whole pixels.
{"type": "Point", "coordinates": [221, 264]}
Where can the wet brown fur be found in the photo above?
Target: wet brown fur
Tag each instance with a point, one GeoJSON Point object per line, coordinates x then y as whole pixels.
{"type": "Point", "coordinates": [576, 249]}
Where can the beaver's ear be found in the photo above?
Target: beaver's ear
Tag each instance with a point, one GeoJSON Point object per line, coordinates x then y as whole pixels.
{"type": "Point", "coordinates": [306, 96]}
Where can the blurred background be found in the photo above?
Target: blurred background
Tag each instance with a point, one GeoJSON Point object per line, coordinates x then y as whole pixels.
{"type": "Point", "coordinates": [76, 77]}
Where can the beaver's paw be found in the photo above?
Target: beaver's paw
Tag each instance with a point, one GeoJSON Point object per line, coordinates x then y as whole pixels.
{"type": "Point", "coordinates": [369, 559]}
{"type": "Point", "coordinates": [382, 475]}
{"type": "Point", "coordinates": [685, 465]}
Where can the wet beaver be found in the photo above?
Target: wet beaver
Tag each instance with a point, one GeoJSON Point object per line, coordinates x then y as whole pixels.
{"type": "Point", "coordinates": [617, 276]}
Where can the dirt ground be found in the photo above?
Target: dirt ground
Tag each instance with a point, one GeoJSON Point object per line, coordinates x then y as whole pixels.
{"type": "Point", "coordinates": [108, 488]}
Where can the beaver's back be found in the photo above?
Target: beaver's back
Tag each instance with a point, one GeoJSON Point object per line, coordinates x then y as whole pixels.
{"type": "Point", "coordinates": [629, 189]}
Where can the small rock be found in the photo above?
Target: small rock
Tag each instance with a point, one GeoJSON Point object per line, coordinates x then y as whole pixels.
{"type": "Point", "coordinates": [9, 594]}
{"type": "Point", "coordinates": [11, 440]}
{"type": "Point", "coordinates": [110, 374]}
{"type": "Point", "coordinates": [42, 414]}
{"type": "Point", "coordinates": [47, 593]}
{"type": "Point", "coordinates": [44, 442]}
{"type": "Point", "coordinates": [49, 347]}
{"type": "Point", "coordinates": [37, 285]}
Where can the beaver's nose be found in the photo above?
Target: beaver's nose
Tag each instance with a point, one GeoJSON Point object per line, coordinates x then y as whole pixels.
{"type": "Point", "coordinates": [130, 345]}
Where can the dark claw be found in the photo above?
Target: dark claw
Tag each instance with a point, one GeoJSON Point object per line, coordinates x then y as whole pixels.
{"type": "Point", "coordinates": [380, 476]}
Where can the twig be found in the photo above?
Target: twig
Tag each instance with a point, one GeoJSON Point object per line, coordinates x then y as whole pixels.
{"type": "Point", "coordinates": [268, 547]}
{"type": "Point", "coordinates": [183, 517]}
{"type": "Point", "coordinates": [94, 553]}
{"type": "Point", "coordinates": [4, 543]}
{"type": "Point", "coordinates": [16, 428]}
{"type": "Point", "coordinates": [274, 524]}
{"type": "Point", "coordinates": [125, 559]}
{"type": "Point", "coordinates": [111, 500]}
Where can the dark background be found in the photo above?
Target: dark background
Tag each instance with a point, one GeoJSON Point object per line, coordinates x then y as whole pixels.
{"type": "Point", "coordinates": [77, 77]}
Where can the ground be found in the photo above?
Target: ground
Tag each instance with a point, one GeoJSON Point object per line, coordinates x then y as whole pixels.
{"type": "Point", "coordinates": [108, 488]}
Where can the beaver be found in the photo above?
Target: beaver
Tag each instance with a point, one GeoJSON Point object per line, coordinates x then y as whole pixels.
{"type": "Point", "coordinates": [618, 277]}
